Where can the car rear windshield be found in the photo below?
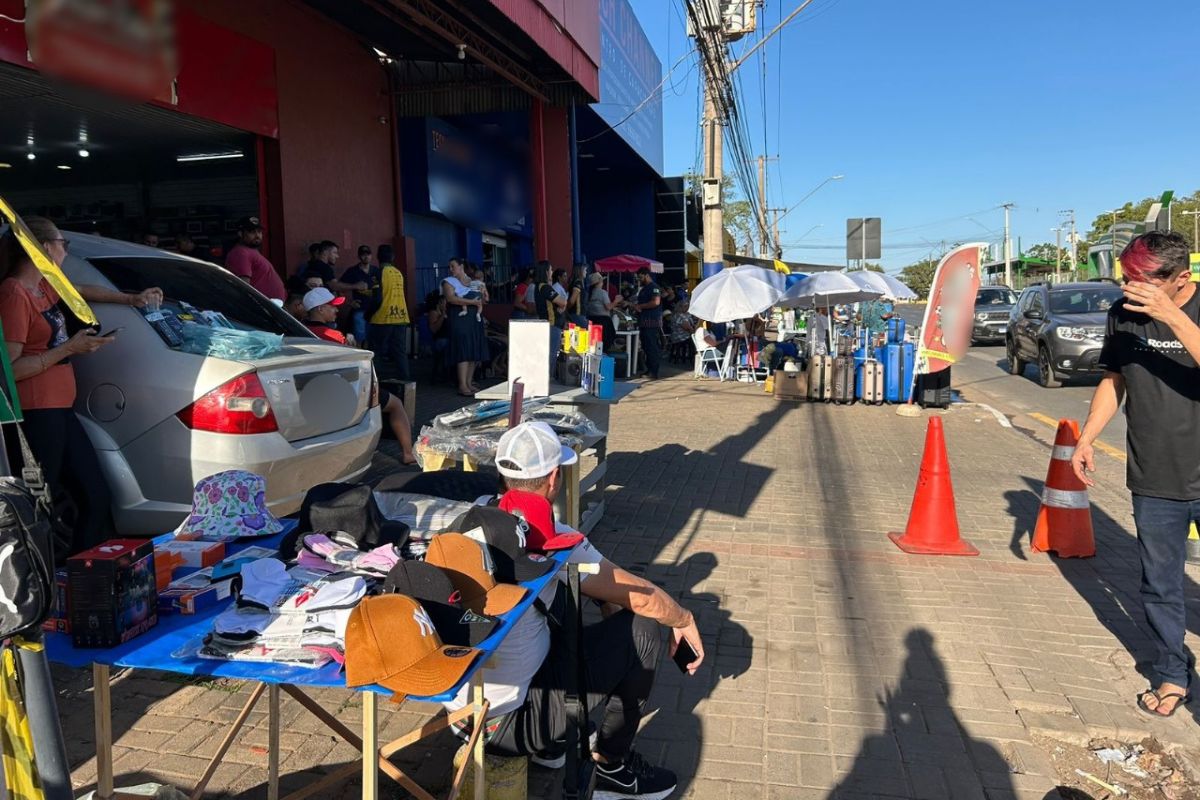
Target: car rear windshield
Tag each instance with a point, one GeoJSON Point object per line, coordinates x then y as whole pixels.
{"type": "Point", "coordinates": [1083, 301]}
{"type": "Point", "coordinates": [995, 297]}
{"type": "Point", "coordinates": [203, 286]}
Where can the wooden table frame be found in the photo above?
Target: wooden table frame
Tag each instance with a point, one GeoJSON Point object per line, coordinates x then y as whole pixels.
{"type": "Point", "coordinates": [368, 743]}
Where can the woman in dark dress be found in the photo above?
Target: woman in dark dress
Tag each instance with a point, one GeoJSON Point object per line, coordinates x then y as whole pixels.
{"type": "Point", "coordinates": [468, 341]}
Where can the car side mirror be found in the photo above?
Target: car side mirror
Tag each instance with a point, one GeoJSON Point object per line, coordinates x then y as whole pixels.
{"type": "Point", "coordinates": [1033, 313]}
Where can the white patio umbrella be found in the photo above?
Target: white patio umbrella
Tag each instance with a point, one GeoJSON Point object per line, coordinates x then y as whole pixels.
{"type": "Point", "coordinates": [886, 284]}
{"type": "Point", "coordinates": [826, 289]}
{"type": "Point", "coordinates": [736, 293]}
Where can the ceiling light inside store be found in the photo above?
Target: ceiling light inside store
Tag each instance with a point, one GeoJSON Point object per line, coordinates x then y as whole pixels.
{"type": "Point", "coordinates": [83, 153]}
{"type": "Point", "coordinates": [209, 156]}
{"type": "Point", "coordinates": [31, 156]}
{"type": "Point", "coordinates": [5, 165]}
{"type": "Point", "coordinates": [63, 166]}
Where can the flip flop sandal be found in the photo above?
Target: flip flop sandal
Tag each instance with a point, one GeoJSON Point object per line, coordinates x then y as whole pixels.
{"type": "Point", "coordinates": [1181, 700]}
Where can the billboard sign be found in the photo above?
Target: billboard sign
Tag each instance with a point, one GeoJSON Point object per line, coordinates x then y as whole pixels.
{"type": "Point", "coordinates": [630, 74]}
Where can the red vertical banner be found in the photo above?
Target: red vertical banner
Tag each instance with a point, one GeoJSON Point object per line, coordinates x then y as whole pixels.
{"type": "Point", "coordinates": [946, 329]}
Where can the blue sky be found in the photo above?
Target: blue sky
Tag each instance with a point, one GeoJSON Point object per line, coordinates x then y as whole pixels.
{"type": "Point", "coordinates": [942, 109]}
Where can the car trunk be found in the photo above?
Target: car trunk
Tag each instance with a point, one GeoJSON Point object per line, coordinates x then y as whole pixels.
{"type": "Point", "coordinates": [315, 389]}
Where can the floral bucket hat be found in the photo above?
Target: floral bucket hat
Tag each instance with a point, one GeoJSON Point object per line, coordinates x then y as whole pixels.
{"type": "Point", "coordinates": [230, 505]}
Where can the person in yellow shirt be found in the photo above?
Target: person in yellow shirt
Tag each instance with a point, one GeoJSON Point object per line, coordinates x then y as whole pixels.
{"type": "Point", "coordinates": [389, 313]}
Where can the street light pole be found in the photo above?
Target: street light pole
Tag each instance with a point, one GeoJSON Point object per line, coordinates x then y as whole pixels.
{"type": "Point", "coordinates": [1195, 215]}
{"type": "Point", "coordinates": [1057, 252]}
{"type": "Point", "coordinates": [1007, 247]}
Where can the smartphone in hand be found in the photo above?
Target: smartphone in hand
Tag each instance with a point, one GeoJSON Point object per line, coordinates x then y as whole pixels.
{"type": "Point", "coordinates": [684, 655]}
{"type": "Point", "coordinates": [113, 332]}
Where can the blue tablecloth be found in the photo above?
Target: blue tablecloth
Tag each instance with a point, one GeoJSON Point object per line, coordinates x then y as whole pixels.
{"type": "Point", "coordinates": [164, 646]}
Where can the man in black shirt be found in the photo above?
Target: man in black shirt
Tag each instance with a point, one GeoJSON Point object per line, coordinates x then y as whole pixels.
{"type": "Point", "coordinates": [650, 315]}
{"type": "Point", "coordinates": [1150, 354]}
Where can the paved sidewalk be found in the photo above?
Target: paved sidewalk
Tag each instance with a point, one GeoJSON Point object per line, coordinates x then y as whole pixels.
{"type": "Point", "coordinates": [837, 665]}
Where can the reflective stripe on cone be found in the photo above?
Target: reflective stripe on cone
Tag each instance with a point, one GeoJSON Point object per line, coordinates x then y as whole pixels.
{"type": "Point", "coordinates": [1064, 522]}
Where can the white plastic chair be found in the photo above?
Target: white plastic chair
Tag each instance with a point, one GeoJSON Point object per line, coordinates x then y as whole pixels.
{"type": "Point", "coordinates": [707, 354]}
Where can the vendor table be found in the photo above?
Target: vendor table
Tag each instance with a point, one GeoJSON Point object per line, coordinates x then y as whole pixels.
{"type": "Point", "coordinates": [632, 347]}
{"type": "Point", "coordinates": [574, 507]}
{"type": "Point", "coordinates": [167, 648]}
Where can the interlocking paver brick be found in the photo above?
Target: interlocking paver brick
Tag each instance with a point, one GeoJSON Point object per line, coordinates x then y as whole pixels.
{"type": "Point", "coordinates": [859, 669]}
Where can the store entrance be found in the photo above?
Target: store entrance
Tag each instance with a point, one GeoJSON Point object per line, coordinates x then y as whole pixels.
{"type": "Point", "coordinates": [497, 268]}
{"type": "Point", "coordinates": [126, 171]}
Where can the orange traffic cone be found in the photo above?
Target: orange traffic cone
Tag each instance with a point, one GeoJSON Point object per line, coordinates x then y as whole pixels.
{"type": "Point", "coordinates": [933, 522]}
{"type": "Point", "coordinates": [1064, 523]}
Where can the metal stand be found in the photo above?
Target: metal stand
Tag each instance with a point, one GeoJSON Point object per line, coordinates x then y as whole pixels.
{"type": "Point", "coordinates": [580, 775]}
{"type": "Point", "coordinates": [49, 749]}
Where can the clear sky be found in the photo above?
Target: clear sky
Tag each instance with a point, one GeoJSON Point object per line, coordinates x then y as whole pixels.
{"type": "Point", "coordinates": [937, 111]}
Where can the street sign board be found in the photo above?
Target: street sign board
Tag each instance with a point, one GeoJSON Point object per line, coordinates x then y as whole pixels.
{"type": "Point", "coordinates": [863, 238]}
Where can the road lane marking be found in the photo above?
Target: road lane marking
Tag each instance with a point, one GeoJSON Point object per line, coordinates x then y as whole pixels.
{"type": "Point", "coordinates": [1108, 449]}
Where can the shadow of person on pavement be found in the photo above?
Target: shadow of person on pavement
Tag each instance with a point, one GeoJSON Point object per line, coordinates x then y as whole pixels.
{"type": "Point", "coordinates": [936, 753]}
{"type": "Point", "coordinates": [675, 734]}
{"type": "Point", "coordinates": [1110, 581]}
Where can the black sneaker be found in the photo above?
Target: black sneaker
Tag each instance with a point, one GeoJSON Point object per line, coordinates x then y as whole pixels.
{"type": "Point", "coordinates": [633, 779]}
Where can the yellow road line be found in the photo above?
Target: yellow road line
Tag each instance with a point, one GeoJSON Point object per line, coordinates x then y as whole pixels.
{"type": "Point", "coordinates": [1108, 449]}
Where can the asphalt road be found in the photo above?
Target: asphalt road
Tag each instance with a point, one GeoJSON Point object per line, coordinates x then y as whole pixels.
{"type": "Point", "coordinates": [982, 376]}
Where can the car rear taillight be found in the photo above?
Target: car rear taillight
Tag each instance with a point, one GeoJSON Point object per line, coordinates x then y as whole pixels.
{"type": "Point", "coordinates": [239, 406]}
{"type": "Point", "coordinates": [374, 401]}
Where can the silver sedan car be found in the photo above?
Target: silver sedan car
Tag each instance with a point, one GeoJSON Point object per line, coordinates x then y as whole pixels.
{"type": "Point", "coordinates": [161, 419]}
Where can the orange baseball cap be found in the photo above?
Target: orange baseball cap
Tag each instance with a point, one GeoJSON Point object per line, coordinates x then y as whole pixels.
{"type": "Point", "coordinates": [391, 641]}
{"type": "Point", "coordinates": [470, 568]}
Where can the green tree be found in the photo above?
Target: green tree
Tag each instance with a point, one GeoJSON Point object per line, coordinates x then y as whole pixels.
{"type": "Point", "coordinates": [1136, 212]}
{"type": "Point", "coordinates": [869, 267]}
{"type": "Point", "coordinates": [1046, 251]}
{"type": "Point", "coordinates": [919, 276]}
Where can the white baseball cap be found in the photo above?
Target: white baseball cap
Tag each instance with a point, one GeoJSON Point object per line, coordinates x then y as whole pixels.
{"type": "Point", "coordinates": [532, 450]}
{"type": "Point", "coordinates": [321, 296]}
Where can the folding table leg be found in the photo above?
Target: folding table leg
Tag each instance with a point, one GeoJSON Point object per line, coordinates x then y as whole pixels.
{"type": "Point", "coordinates": [102, 704]}
{"type": "Point", "coordinates": [480, 706]}
{"type": "Point", "coordinates": [273, 742]}
{"type": "Point", "coordinates": [242, 716]}
{"type": "Point", "coordinates": [370, 747]}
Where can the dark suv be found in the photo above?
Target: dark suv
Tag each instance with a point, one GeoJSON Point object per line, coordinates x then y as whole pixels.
{"type": "Point", "coordinates": [992, 307]}
{"type": "Point", "coordinates": [1060, 328]}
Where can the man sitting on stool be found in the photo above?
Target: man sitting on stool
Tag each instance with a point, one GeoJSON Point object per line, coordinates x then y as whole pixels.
{"type": "Point", "coordinates": [527, 677]}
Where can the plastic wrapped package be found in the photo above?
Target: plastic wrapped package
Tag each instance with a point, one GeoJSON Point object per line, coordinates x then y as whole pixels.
{"type": "Point", "coordinates": [571, 422]}
{"type": "Point", "coordinates": [228, 343]}
{"type": "Point", "coordinates": [488, 413]}
{"type": "Point", "coordinates": [424, 514]}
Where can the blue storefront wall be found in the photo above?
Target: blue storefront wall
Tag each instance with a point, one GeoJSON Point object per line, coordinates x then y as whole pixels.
{"type": "Point", "coordinates": [630, 74]}
{"type": "Point", "coordinates": [462, 177]}
{"type": "Point", "coordinates": [616, 214]}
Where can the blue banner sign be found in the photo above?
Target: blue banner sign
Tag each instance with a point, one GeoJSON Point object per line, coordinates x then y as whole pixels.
{"type": "Point", "coordinates": [630, 73]}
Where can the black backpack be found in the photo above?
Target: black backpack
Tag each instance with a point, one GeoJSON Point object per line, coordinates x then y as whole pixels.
{"type": "Point", "coordinates": [26, 576]}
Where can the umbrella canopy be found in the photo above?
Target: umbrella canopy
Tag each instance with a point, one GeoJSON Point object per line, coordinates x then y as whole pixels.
{"type": "Point", "coordinates": [826, 289]}
{"type": "Point", "coordinates": [884, 283]}
{"type": "Point", "coordinates": [736, 293]}
{"type": "Point", "coordinates": [627, 263]}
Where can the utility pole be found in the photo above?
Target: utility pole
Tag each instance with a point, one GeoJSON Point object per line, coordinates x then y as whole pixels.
{"type": "Point", "coordinates": [714, 214]}
{"type": "Point", "coordinates": [762, 207]}
{"type": "Point", "coordinates": [1071, 239]}
{"type": "Point", "coordinates": [1057, 252]}
{"type": "Point", "coordinates": [777, 248]}
{"type": "Point", "coordinates": [1007, 247]}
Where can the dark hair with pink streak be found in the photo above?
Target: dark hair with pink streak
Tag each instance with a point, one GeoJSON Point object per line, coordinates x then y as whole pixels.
{"type": "Point", "coordinates": [1155, 256]}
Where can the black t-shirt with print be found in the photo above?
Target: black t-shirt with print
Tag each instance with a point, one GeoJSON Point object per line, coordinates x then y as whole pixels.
{"type": "Point", "coordinates": [1162, 406]}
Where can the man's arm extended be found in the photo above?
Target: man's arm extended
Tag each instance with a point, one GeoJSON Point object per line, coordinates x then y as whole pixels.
{"type": "Point", "coordinates": [620, 587]}
{"type": "Point", "coordinates": [1106, 401]}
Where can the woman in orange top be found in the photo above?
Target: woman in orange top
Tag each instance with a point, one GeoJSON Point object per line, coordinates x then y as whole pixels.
{"type": "Point", "coordinates": [35, 334]}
